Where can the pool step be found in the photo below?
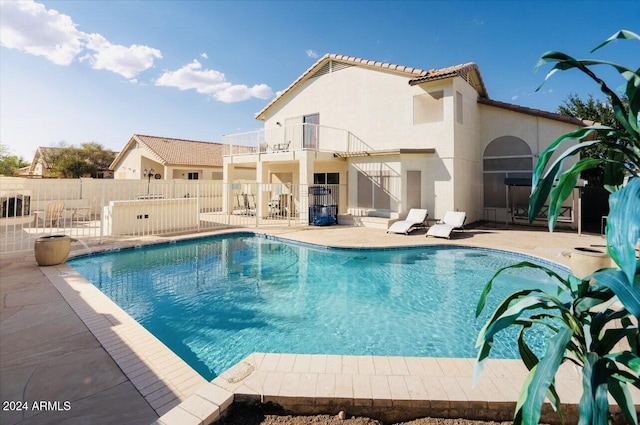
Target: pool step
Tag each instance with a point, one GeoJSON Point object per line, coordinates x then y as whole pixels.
{"type": "Point", "coordinates": [373, 222]}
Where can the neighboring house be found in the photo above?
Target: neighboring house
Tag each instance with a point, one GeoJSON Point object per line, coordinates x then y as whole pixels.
{"type": "Point", "coordinates": [396, 138]}
{"type": "Point", "coordinates": [169, 159]}
{"type": "Point", "coordinates": [43, 161]}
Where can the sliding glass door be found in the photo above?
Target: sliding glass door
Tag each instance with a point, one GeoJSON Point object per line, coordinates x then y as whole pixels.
{"type": "Point", "coordinates": [311, 131]}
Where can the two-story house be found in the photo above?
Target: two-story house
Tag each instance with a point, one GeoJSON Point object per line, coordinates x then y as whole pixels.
{"type": "Point", "coordinates": [395, 138]}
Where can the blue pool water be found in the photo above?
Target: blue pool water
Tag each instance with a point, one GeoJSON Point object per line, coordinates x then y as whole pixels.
{"type": "Point", "coordinates": [213, 301]}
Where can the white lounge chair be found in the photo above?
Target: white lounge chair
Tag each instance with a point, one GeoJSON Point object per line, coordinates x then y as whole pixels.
{"type": "Point", "coordinates": [452, 220]}
{"type": "Point", "coordinates": [416, 218]}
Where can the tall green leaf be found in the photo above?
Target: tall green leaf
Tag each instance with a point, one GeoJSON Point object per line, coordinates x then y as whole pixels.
{"type": "Point", "coordinates": [531, 360]}
{"type": "Point", "coordinates": [565, 186]}
{"type": "Point", "coordinates": [627, 292]}
{"type": "Point", "coordinates": [523, 264]}
{"type": "Point", "coordinates": [528, 411]}
{"type": "Point", "coordinates": [623, 226]}
{"type": "Point", "coordinates": [565, 62]}
{"type": "Point", "coordinates": [623, 398]}
{"type": "Point", "coordinates": [629, 360]}
{"type": "Point", "coordinates": [620, 35]}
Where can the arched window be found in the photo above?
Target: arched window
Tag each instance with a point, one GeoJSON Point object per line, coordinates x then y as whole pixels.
{"type": "Point", "coordinates": [506, 156]}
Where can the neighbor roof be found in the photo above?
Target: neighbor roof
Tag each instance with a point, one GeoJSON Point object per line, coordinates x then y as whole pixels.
{"type": "Point", "coordinates": [468, 71]}
{"type": "Point", "coordinates": [45, 155]}
{"type": "Point", "coordinates": [171, 151]}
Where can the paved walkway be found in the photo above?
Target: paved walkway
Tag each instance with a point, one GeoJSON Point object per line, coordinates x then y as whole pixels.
{"type": "Point", "coordinates": [62, 340]}
{"type": "Point", "coordinates": [48, 354]}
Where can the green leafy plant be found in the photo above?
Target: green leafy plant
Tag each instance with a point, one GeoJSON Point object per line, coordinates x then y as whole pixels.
{"type": "Point", "coordinates": [593, 321]}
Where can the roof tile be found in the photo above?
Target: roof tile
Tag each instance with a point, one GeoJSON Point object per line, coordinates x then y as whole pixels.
{"type": "Point", "coordinates": [534, 112]}
{"type": "Point", "coordinates": [184, 152]}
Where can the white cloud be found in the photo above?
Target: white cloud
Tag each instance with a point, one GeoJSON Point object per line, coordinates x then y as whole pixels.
{"type": "Point", "coordinates": [204, 55]}
{"type": "Point", "coordinates": [29, 27]}
{"type": "Point", "coordinates": [126, 61]}
{"type": "Point", "coordinates": [310, 53]}
{"type": "Point", "coordinates": [212, 83]}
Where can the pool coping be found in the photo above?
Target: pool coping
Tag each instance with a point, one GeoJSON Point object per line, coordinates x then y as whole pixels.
{"type": "Point", "coordinates": [417, 386]}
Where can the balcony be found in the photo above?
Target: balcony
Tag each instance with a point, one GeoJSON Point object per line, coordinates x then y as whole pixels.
{"type": "Point", "coordinates": [299, 137]}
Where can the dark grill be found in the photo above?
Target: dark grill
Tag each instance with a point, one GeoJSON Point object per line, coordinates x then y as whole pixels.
{"type": "Point", "coordinates": [15, 206]}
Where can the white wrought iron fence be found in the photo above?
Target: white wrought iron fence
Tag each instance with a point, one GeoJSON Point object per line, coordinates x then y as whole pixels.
{"type": "Point", "coordinates": [99, 210]}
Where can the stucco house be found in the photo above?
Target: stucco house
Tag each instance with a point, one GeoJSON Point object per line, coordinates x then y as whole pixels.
{"type": "Point", "coordinates": [395, 138]}
{"type": "Point", "coordinates": [169, 159]}
{"type": "Point", "coordinates": [43, 161]}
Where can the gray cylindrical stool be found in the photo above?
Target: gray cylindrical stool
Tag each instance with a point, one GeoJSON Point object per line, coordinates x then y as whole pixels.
{"type": "Point", "coordinates": [52, 250]}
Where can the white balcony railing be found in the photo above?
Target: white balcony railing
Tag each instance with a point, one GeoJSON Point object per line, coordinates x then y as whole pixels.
{"type": "Point", "coordinates": [297, 137]}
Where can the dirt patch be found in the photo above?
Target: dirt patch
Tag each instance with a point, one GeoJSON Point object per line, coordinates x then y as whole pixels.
{"type": "Point", "coordinates": [252, 414]}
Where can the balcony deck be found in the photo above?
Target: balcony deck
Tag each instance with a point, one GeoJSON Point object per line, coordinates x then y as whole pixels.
{"type": "Point", "coordinates": [294, 138]}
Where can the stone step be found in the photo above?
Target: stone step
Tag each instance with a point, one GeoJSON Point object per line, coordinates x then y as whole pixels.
{"type": "Point", "coordinates": [364, 221]}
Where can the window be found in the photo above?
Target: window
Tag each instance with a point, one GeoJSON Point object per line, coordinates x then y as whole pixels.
{"type": "Point", "coordinates": [192, 176]}
{"type": "Point", "coordinates": [373, 190]}
{"type": "Point", "coordinates": [428, 107]}
{"type": "Point", "coordinates": [326, 178]}
{"type": "Point", "coordinates": [506, 156]}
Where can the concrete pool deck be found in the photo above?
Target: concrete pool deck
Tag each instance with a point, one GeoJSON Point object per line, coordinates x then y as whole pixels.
{"type": "Point", "coordinates": [62, 340]}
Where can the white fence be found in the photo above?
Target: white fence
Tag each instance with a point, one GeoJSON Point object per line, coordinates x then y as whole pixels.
{"type": "Point", "coordinates": [89, 210]}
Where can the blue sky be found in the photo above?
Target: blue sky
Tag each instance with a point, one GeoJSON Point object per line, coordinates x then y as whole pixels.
{"type": "Point", "coordinates": [101, 71]}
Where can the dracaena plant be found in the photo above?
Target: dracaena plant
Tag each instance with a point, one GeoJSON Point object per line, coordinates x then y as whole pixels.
{"type": "Point", "coordinates": [593, 321]}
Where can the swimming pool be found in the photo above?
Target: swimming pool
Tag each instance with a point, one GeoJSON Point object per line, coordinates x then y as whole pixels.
{"type": "Point", "coordinates": [215, 300]}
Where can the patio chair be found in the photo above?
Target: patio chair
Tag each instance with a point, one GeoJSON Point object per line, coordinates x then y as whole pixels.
{"type": "Point", "coordinates": [51, 214]}
{"type": "Point", "coordinates": [249, 202]}
{"type": "Point", "coordinates": [452, 220]}
{"type": "Point", "coordinates": [85, 213]}
{"type": "Point", "coordinates": [246, 203]}
{"type": "Point", "coordinates": [416, 218]}
{"type": "Point", "coordinates": [282, 147]}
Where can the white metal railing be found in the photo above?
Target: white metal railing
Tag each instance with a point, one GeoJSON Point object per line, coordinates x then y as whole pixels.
{"type": "Point", "coordinates": [294, 138]}
{"type": "Point", "coordinates": [102, 210]}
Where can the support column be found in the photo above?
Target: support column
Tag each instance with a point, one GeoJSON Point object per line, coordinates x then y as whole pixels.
{"type": "Point", "coordinates": [227, 180]}
{"type": "Point", "coordinates": [262, 178]}
{"type": "Point", "coordinates": [305, 169]}
{"type": "Point", "coordinates": [305, 176]}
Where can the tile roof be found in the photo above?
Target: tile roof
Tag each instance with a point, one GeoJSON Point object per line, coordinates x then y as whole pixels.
{"type": "Point", "coordinates": [184, 152]}
{"type": "Point", "coordinates": [468, 71]}
{"type": "Point", "coordinates": [44, 155]}
{"type": "Point", "coordinates": [534, 112]}
{"type": "Point", "coordinates": [171, 151]}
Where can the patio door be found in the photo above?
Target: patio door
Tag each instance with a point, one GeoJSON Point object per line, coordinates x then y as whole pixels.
{"type": "Point", "coordinates": [311, 131]}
